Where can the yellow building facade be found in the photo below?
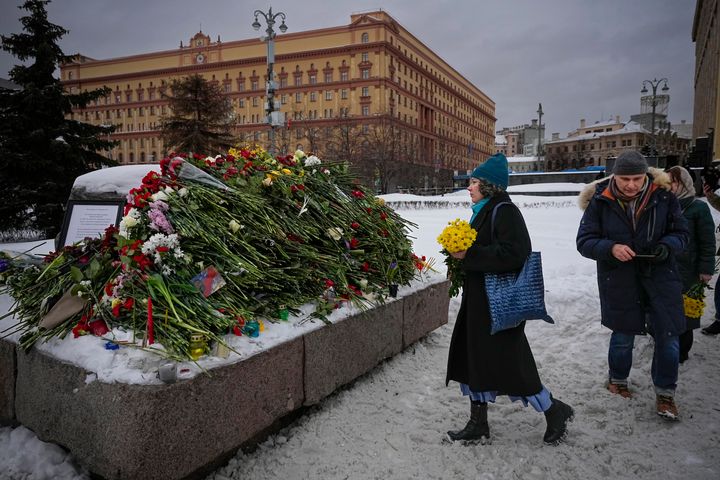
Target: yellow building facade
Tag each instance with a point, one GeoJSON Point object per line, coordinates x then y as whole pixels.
{"type": "Point", "coordinates": [706, 113]}
{"type": "Point", "coordinates": [369, 72]}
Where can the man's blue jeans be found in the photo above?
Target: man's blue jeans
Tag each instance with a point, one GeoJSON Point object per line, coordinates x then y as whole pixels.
{"type": "Point", "coordinates": [664, 368]}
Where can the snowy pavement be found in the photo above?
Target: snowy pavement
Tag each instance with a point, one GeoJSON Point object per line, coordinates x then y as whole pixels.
{"type": "Point", "coordinates": [389, 424]}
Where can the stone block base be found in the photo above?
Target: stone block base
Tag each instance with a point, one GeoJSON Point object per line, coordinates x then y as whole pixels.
{"type": "Point", "coordinates": [179, 430]}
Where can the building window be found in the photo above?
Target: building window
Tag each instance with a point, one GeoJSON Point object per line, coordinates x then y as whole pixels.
{"type": "Point", "coordinates": [344, 94]}
{"type": "Point", "coordinates": [365, 91]}
{"type": "Point", "coordinates": [298, 81]}
{"type": "Point", "coordinates": [328, 77]}
{"type": "Point", "coordinates": [366, 110]}
{"type": "Point", "coordinates": [313, 96]}
{"type": "Point", "coordinates": [140, 96]}
{"type": "Point", "coordinates": [312, 79]}
{"type": "Point", "coordinates": [254, 85]}
{"type": "Point", "coordinates": [328, 94]}
{"type": "Point", "coordinates": [283, 99]}
{"type": "Point", "coordinates": [298, 97]}
{"type": "Point", "coordinates": [365, 38]}
{"type": "Point", "coordinates": [241, 102]}
{"type": "Point", "coordinates": [255, 101]}
{"type": "Point", "coordinates": [117, 98]}
{"type": "Point", "coordinates": [344, 76]}
{"type": "Point", "coordinates": [128, 97]}
{"type": "Point", "coordinates": [132, 156]}
{"type": "Point", "coordinates": [227, 88]}
{"type": "Point", "coordinates": [283, 82]}
{"type": "Point", "coordinates": [366, 73]}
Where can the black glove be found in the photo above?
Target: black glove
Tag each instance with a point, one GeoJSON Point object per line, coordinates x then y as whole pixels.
{"type": "Point", "coordinates": [661, 252]}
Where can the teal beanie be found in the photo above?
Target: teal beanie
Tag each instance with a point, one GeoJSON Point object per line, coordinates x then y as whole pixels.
{"type": "Point", "coordinates": [494, 170]}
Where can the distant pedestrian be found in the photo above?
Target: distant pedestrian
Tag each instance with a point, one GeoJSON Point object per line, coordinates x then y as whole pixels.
{"type": "Point", "coordinates": [501, 364]}
{"type": "Point", "coordinates": [714, 201]}
{"type": "Point", "coordinates": [697, 262]}
{"type": "Point", "coordinates": [633, 228]}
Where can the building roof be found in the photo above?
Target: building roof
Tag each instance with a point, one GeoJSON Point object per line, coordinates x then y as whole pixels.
{"type": "Point", "coordinates": [604, 123]}
{"type": "Point", "coordinates": [500, 140]}
{"type": "Point", "coordinates": [521, 159]}
{"type": "Point", "coordinates": [630, 127]}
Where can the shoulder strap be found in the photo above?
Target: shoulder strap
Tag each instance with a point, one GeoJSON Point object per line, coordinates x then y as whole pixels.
{"type": "Point", "coordinates": [689, 205]}
{"type": "Point", "coordinates": [492, 218]}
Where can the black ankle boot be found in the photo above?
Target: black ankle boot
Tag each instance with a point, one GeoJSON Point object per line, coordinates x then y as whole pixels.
{"type": "Point", "coordinates": [712, 329]}
{"type": "Point", "coordinates": [476, 428]}
{"type": "Point", "coordinates": [557, 416]}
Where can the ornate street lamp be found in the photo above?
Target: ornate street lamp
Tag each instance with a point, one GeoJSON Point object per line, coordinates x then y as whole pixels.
{"type": "Point", "coordinates": [270, 107]}
{"type": "Point", "coordinates": [541, 160]}
{"type": "Point", "coordinates": [655, 99]}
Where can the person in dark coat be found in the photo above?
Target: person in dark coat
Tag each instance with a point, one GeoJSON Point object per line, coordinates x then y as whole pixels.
{"type": "Point", "coordinates": [502, 364]}
{"type": "Point", "coordinates": [697, 263]}
{"type": "Point", "coordinates": [714, 201]}
{"type": "Point", "coordinates": [634, 228]}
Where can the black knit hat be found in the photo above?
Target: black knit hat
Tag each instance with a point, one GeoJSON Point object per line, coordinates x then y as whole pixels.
{"type": "Point", "coordinates": [630, 163]}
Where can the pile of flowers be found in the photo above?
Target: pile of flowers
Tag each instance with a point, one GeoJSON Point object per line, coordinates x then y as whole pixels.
{"type": "Point", "coordinates": [211, 246]}
{"type": "Point", "coordinates": [456, 237]}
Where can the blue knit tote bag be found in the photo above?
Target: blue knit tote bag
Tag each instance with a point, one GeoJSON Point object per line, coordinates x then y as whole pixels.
{"type": "Point", "coordinates": [516, 296]}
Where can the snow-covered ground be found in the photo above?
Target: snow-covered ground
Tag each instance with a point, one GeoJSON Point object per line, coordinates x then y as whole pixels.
{"type": "Point", "coordinates": [389, 424]}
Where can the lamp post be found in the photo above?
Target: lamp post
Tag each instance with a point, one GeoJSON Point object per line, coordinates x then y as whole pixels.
{"type": "Point", "coordinates": [270, 89]}
{"type": "Point", "coordinates": [539, 149]}
{"type": "Point", "coordinates": [654, 84]}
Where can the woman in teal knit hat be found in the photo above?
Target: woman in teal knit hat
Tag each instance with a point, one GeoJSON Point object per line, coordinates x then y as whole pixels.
{"type": "Point", "coordinates": [502, 364]}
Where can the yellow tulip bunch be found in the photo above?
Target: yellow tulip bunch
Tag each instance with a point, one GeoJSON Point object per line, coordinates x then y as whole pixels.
{"type": "Point", "coordinates": [694, 307]}
{"type": "Point", "coordinates": [457, 236]}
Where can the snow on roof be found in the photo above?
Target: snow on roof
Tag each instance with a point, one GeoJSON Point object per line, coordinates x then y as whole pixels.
{"type": "Point", "coordinates": [500, 140]}
{"type": "Point", "coordinates": [602, 123]}
{"type": "Point", "coordinates": [630, 127]}
{"type": "Point", "coordinates": [114, 179]}
{"type": "Point", "coordinates": [521, 159]}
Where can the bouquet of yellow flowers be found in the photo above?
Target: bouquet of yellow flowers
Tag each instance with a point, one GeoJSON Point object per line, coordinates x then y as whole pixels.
{"type": "Point", "coordinates": [694, 301]}
{"type": "Point", "coordinates": [456, 237]}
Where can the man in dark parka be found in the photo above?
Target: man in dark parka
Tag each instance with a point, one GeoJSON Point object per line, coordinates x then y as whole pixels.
{"type": "Point", "coordinates": [501, 364]}
{"type": "Point", "coordinates": [633, 227]}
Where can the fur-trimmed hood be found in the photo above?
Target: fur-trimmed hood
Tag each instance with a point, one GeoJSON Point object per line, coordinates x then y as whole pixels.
{"type": "Point", "coordinates": [659, 177]}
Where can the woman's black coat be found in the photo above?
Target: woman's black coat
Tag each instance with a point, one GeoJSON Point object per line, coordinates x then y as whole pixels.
{"type": "Point", "coordinates": [699, 256]}
{"type": "Point", "coordinates": [502, 362]}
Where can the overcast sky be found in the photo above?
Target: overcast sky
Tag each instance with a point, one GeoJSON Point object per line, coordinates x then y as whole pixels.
{"type": "Point", "coordinates": [580, 58]}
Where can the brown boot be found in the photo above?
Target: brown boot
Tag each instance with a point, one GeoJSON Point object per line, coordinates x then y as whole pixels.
{"type": "Point", "coordinates": [620, 389]}
{"type": "Point", "coordinates": [666, 407]}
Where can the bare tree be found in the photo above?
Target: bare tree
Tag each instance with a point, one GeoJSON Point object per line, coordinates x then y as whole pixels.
{"type": "Point", "coordinates": [310, 130]}
{"type": "Point", "coordinates": [345, 140]}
